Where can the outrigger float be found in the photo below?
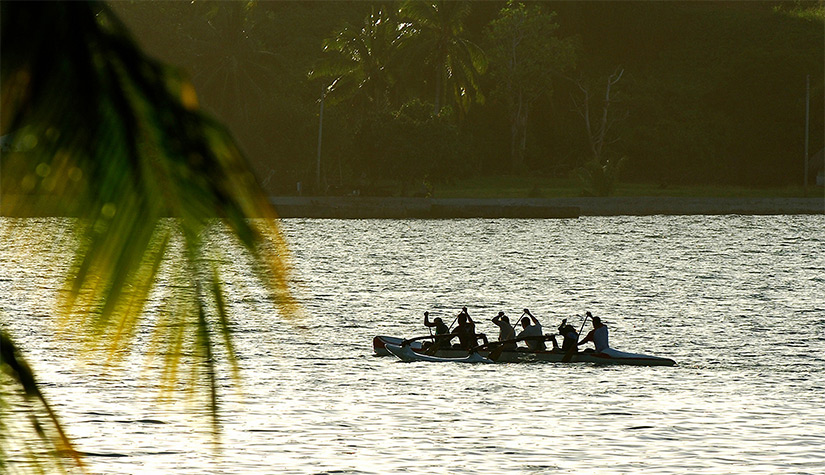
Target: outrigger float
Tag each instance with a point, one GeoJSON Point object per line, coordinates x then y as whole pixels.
{"type": "Point", "coordinates": [413, 350]}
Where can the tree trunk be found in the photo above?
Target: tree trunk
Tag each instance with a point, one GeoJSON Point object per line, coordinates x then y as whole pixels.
{"type": "Point", "coordinates": [518, 133]}
{"type": "Point", "coordinates": [438, 86]}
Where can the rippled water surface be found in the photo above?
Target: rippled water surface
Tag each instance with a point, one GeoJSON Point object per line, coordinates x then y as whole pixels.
{"type": "Point", "coordinates": [737, 301]}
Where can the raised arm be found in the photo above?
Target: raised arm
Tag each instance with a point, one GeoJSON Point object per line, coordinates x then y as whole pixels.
{"type": "Point", "coordinates": [427, 322]}
{"type": "Point", "coordinates": [535, 321]}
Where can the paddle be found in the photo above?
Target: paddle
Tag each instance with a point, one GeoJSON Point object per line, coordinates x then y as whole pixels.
{"type": "Point", "coordinates": [438, 342]}
{"type": "Point", "coordinates": [572, 350]}
{"type": "Point", "coordinates": [456, 318]}
{"type": "Point", "coordinates": [426, 316]}
{"type": "Point", "coordinates": [496, 354]}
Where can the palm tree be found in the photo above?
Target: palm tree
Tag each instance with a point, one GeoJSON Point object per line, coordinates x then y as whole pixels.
{"type": "Point", "coordinates": [454, 63]}
{"type": "Point", "coordinates": [358, 69]}
{"type": "Point", "coordinates": [359, 64]}
{"type": "Point", "coordinates": [121, 144]}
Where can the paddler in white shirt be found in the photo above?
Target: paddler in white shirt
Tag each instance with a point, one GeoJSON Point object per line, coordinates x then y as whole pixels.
{"type": "Point", "coordinates": [505, 330]}
{"type": "Point", "coordinates": [598, 335]}
{"type": "Point", "coordinates": [534, 330]}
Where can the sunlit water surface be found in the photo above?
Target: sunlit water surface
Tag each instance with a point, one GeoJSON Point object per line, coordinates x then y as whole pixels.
{"type": "Point", "coordinates": [738, 302]}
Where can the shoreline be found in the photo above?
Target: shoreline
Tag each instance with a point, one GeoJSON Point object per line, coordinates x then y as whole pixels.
{"type": "Point", "coordinates": [350, 207]}
{"type": "Point", "coordinates": [559, 208]}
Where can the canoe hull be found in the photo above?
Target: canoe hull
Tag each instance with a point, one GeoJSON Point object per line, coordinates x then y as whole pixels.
{"type": "Point", "coordinates": [405, 353]}
{"type": "Point", "coordinates": [380, 342]}
{"type": "Point", "coordinates": [608, 357]}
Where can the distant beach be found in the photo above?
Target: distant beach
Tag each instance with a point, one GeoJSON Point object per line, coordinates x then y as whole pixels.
{"type": "Point", "coordinates": [436, 208]}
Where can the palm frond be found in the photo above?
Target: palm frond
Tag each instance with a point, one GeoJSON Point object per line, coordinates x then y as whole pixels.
{"type": "Point", "coordinates": [358, 59]}
{"type": "Point", "coordinates": [437, 40]}
{"type": "Point", "coordinates": [24, 392]}
{"type": "Point", "coordinates": [121, 144]}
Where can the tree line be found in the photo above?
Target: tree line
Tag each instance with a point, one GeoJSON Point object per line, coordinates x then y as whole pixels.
{"type": "Point", "coordinates": [663, 92]}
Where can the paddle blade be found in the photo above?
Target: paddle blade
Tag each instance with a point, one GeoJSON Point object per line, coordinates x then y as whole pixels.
{"type": "Point", "coordinates": [496, 354]}
{"type": "Point", "coordinates": [568, 355]}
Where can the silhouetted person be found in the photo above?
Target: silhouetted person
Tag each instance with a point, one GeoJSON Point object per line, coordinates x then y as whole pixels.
{"type": "Point", "coordinates": [466, 331]}
{"type": "Point", "coordinates": [571, 338]}
{"type": "Point", "coordinates": [442, 332]}
{"type": "Point", "coordinates": [533, 332]}
{"type": "Point", "coordinates": [598, 335]}
{"type": "Point", "coordinates": [505, 330]}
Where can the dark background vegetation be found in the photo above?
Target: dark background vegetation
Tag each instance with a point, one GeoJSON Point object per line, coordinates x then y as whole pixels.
{"type": "Point", "coordinates": [713, 94]}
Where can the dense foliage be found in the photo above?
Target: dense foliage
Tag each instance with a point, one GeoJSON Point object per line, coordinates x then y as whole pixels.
{"type": "Point", "coordinates": [712, 92]}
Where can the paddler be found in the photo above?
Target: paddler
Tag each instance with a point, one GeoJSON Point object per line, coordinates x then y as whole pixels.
{"type": "Point", "coordinates": [442, 331]}
{"type": "Point", "coordinates": [532, 332]}
{"type": "Point", "coordinates": [598, 335]}
{"type": "Point", "coordinates": [505, 330]}
{"type": "Point", "coordinates": [571, 338]}
{"type": "Point", "coordinates": [466, 331]}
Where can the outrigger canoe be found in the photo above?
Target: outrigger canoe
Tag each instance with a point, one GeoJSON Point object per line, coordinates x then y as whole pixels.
{"type": "Point", "coordinates": [414, 351]}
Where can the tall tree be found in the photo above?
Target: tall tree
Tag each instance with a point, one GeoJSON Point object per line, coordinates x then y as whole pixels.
{"type": "Point", "coordinates": [525, 54]}
{"type": "Point", "coordinates": [453, 63]}
{"type": "Point", "coordinates": [359, 69]}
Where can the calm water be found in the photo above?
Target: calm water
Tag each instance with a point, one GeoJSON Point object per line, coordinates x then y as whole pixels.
{"type": "Point", "coordinates": [738, 302]}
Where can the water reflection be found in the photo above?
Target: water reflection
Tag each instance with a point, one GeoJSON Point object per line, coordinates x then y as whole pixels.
{"type": "Point", "coordinates": [737, 301]}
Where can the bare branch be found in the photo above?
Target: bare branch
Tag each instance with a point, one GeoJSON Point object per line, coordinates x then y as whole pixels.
{"type": "Point", "coordinates": [598, 137]}
{"type": "Point", "coordinates": [614, 78]}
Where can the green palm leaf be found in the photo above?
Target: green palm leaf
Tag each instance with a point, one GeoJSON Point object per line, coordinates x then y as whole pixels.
{"type": "Point", "coordinates": [20, 388]}
{"type": "Point", "coordinates": [359, 60]}
{"type": "Point", "coordinates": [107, 135]}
